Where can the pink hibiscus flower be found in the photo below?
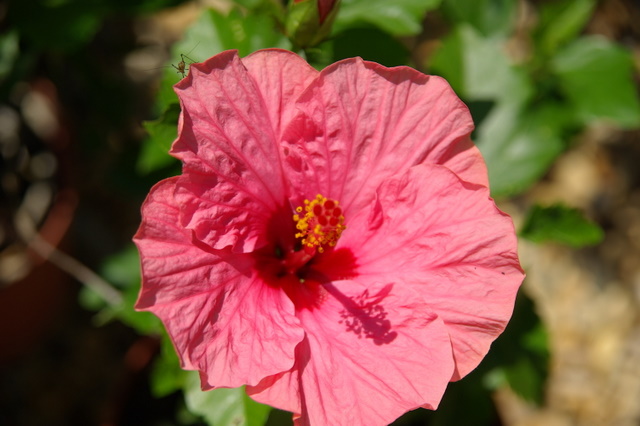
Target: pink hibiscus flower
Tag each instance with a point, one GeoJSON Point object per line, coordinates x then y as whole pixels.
{"type": "Point", "coordinates": [331, 242]}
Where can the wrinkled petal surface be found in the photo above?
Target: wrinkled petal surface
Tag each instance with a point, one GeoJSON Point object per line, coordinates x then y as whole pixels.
{"type": "Point", "coordinates": [233, 112]}
{"type": "Point", "coordinates": [372, 352]}
{"type": "Point", "coordinates": [361, 123]}
{"type": "Point", "coordinates": [222, 319]}
{"type": "Point", "coordinates": [430, 231]}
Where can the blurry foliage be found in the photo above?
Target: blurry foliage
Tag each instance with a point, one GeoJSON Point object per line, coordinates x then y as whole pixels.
{"type": "Point", "coordinates": [399, 17]}
{"type": "Point", "coordinates": [560, 224]}
{"type": "Point", "coordinates": [559, 22]}
{"type": "Point", "coordinates": [526, 112]}
{"type": "Point", "coordinates": [223, 406]}
{"type": "Point", "coordinates": [162, 132]}
{"type": "Point", "coordinates": [8, 52]}
{"type": "Point", "coordinates": [66, 25]}
{"type": "Point", "coordinates": [595, 76]}
{"type": "Point", "coordinates": [488, 17]}
{"type": "Point", "coordinates": [519, 357]}
{"type": "Point", "coordinates": [122, 270]}
{"type": "Point", "coordinates": [214, 32]}
{"type": "Point", "coordinates": [372, 44]}
{"type": "Point", "coordinates": [305, 27]}
{"type": "Point", "coordinates": [565, 82]}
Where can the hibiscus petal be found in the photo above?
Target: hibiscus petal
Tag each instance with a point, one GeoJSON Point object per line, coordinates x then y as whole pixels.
{"type": "Point", "coordinates": [222, 319]}
{"type": "Point", "coordinates": [371, 354]}
{"type": "Point", "coordinates": [283, 390]}
{"type": "Point", "coordinates": [281, 76]}
{"type": "Point", "coordinates": [362, 122]}
{"type": "Point", "coordinates": [228, 139]}
{"type": "Point", "coordinates": [447, 240]}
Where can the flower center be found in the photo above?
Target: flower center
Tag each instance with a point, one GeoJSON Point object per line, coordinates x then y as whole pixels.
{"type": "Point", "coordinates": [320, 225]}
{"type": "Point", "coordinates": [304, 264]}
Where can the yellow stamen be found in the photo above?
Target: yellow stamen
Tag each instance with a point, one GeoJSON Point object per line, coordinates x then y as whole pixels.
{"type": "Point", "coordinates": [322, 223]}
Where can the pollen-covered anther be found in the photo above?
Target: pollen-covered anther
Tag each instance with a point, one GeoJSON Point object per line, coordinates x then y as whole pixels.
{"type": "Point", "coordinates": [320, 222]}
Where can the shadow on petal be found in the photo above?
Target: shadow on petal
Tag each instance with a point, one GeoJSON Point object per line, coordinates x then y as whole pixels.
{"type": "Point", "coordinates": [365, 315]}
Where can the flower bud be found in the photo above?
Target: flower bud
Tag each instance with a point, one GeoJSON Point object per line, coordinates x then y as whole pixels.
{"type": "Point", "coordinates": [309, 21]}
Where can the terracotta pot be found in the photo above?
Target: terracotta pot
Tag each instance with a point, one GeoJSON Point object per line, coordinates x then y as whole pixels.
{"type": "Point", "coordinates": [33, 291]}
{"type": "Point", "coordinates": [29, 306]}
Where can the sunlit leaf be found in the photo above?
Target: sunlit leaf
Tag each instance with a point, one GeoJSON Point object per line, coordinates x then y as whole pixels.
{"type": "Point", "coordinates": [560, 21]}
{"type": "Point", "coordinates": [518, 140]}
{"type": "Point", "coordinates": [519, 146]}
{"type": "Point", "coordinates": [478, 68]}
{"type": "Point", "coordinates": [560, 224]}
{"type": "Point", "coordinates": [596, 76]}
{"type": "Point", "coordinates": [223, 407]}
{"type": "Point", "coordinates": [398, 17]}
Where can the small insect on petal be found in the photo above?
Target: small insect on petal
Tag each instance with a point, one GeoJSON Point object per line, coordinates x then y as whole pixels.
{"type": "Point", "coordinates": [181, 68]}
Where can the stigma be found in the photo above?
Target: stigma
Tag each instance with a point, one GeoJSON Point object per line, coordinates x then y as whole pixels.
{"type": "Point", "coordinates": [319, 223]}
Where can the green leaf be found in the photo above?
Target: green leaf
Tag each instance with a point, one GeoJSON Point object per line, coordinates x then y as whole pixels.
{"type": "Point", "coordinates": [167, 377]}
{"type": "Point", "coordinates": [597, 78]}
{"type": "Point", "coordinates": [9, 51]}
{"type": "Point", "coordinates": [520, 144]}
{"type": "Point", "coordinates": [524, 379]}
{"type": "Point", "coordinates": [489, 17]}
{"type": "Point", "coordinates": [223, 407]}
{"type": "Point", "coordinates": [398, 17]}
{"type": "Point", "coordinates": [162, 133]}
{"type": "Point", "coordinates": [145, 323]}
{"type": "Point", "coordinates": [215, 32]}
{"type": "Point", "coordinates": [122, 270]}
{"type": "Point", "coordinates": [519, 358]}
{"type": "Point", "coordinates": [560, 224]}
{"type": "Point", "coordinates": [478, 69]}
{"type": "Point", "coordinates": [536, 341]}
{"type": "Point", "coordinates": [561, 21]}
{"type": "Point", "coordinates": [249, 4]}
{"type": "Point", "coordinates": [518, 141]}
